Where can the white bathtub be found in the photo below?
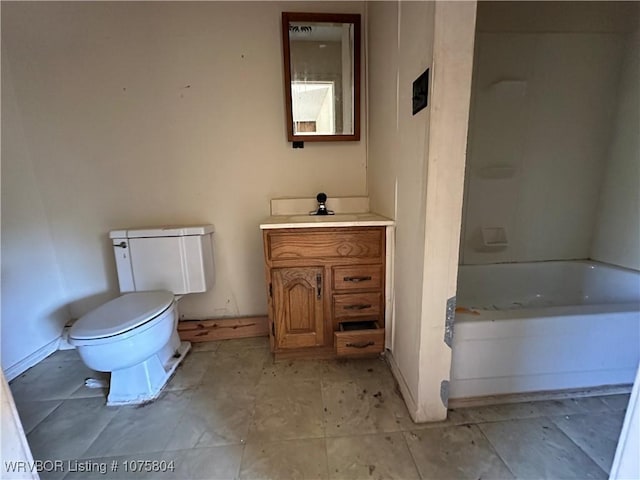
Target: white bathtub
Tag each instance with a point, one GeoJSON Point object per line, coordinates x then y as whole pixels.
{"type": "Point", "coordinates": [544, 326]}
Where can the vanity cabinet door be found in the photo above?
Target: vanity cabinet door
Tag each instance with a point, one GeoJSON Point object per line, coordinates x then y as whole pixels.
{"type": "Point", "coordinates": [298, 306]}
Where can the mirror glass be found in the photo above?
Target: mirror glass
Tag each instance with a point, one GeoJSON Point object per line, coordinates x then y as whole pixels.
{"type": "Point", "coordinates": [322, 76]}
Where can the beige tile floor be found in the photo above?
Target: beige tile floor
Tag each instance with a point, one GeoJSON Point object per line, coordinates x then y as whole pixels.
{"type": "Point", "coordinates": [230, 412]}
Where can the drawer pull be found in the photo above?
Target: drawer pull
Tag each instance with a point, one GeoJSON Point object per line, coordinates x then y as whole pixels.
{"type": "Point", "coordinates": [358, 306]}
{"type": "Point", "coordinates": [361, 344]}
{"type": "Point", "coordinates": [357, 279]}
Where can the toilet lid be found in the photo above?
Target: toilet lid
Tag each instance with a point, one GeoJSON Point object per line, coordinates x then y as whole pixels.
{"type": "Point", "coordinates": [121, 314]}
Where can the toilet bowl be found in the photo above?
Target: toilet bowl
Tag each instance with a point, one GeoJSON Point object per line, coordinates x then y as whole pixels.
{"type": "Point", "coordinates": [135, 338]}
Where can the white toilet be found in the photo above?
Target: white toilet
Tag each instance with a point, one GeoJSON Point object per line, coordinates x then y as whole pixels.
{"type": "Point", "coordinates": [135, 336]}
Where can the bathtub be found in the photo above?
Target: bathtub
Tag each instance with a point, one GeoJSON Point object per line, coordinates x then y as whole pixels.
{"type": "Point", "coordinates": [528, 327]}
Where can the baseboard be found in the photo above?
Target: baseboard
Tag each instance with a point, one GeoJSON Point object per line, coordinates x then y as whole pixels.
{"type": "Point", "coordinates": [539, 396]}
{"type": "Point", "coordinates": [412, 406]}
{"type": "Point", "coordinates": [31, 360]}
{"type": "Point", "coordinates": [223, 329]}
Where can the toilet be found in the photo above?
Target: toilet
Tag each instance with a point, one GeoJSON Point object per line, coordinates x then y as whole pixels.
{"type": "Point", "coordinates": [135, 336]}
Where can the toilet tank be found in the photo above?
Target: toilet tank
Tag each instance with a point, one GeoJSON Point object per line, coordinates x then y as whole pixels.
{"type": "Point", "coordinates": [178, 259]}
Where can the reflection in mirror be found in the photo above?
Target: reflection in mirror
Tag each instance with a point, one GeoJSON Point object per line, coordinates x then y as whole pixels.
{"type": "Point", "coordinates": [322, 67]}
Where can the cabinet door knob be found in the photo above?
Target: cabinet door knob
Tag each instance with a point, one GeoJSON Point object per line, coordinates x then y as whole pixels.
{"type": "Point", "coordinates": [319, 285]}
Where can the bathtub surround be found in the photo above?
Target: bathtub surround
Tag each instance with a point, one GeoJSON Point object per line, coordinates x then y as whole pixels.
{"type": "Point", "coordinates": [545, 94]}
{"type": "Point", "coordinates": [617, 234]}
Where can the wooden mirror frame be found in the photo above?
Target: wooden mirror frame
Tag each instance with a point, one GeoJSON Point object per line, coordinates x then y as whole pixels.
{"type": "Point", "coordinates": [288, 17]}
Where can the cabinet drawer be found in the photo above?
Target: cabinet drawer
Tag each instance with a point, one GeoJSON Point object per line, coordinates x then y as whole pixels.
{"type": "Point", "coordinates": [351, 343]}
{"type": "Point", "coordinates": [367, 243]}
{"type": "Point", "coordinates": [357, 277]}
{"type": "Point", "coordinates": [357, 304]}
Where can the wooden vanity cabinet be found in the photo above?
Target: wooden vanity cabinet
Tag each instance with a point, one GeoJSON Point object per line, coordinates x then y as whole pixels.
{"type": "Point", "coordinates": [321, 282]}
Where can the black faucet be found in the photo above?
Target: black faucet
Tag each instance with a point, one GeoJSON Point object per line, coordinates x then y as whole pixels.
{"type": "Point", "coordinates": [322, 207]}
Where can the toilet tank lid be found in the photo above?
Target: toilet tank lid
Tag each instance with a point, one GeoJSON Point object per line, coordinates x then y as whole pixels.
{"type": "Point", "coordinates": [121, 314]}
{"type": "Point", "coordinates": [166, 231]}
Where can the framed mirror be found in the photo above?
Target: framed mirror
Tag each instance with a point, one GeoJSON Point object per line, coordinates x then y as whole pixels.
{"type": "Point", "coordinates": [322, 76]}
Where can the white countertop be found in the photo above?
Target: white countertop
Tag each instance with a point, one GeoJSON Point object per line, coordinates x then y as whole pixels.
{"type": "Point", "coordinates": [337, 220]}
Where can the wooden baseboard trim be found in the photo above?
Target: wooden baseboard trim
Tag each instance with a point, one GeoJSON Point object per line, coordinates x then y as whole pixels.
{"type": "Point", "coordinates": [537, 396]}
{"type": "Point", "coordinates": [223, 328]}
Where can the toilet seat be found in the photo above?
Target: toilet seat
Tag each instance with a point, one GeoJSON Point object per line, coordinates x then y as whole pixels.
{"type": "Point", "coordinates": [124, 314]}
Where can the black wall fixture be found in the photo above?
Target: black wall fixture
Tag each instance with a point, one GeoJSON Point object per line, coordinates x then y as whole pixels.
{"type": "Point", "coordinates": [421, 92]}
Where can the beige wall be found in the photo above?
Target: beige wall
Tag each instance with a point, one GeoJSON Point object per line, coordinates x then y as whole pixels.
{"type": "Point", "coordinates": [543, 104]}
{"type": "Point", "coordinates": [617, 233]}
{"type": "Point", "coordinates": [416, 171]}
{"type": "Point", "coordinates": [400, 48]}
{"type": "Point", "coordinates": [33, 306]}
{"type": "Point", "coordinates": [139, 114]}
